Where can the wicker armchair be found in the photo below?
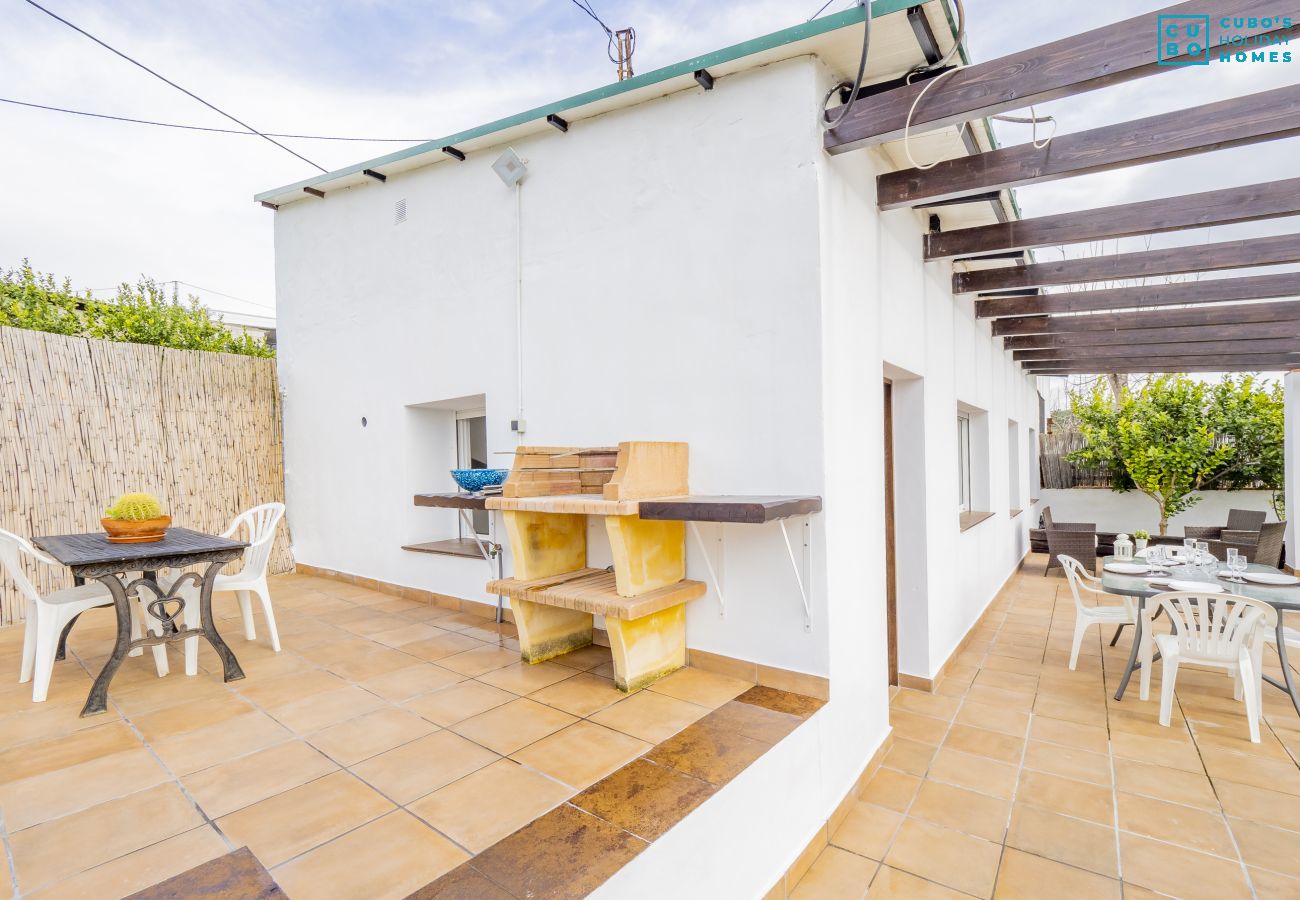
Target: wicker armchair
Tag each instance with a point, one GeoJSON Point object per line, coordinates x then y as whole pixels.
{"type": "Point", "coordinates": [1263, 546]}
{"type": "Point", "coordinates": [1074, 539]}
{"type": "Point", "coordinates": [1238, 520]}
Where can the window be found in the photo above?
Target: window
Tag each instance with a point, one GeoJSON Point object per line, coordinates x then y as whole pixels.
{"type": "Point", "coordinates": [963, 463]}
{"type": "Point", "coordinates": [1013, 465]}
{"type": "Point", "coordinates": [471, 453]}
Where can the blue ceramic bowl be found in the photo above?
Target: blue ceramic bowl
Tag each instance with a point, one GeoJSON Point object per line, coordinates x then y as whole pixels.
{"type": "Point", "coordinates": [474, 480]}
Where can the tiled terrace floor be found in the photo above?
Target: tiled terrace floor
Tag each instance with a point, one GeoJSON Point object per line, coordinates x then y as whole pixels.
{"type": "Point", "coordinates": [1020, 778]}
{"type": "Point", "coordinates": [387, 731]}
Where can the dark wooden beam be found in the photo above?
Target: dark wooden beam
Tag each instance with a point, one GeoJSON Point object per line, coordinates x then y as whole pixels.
{"type": "Point", "coordinates": [1273, 250]}
{"type": "Point", "coordinates": [315, 192]}
{"type": "Point", "coordinates": [1234, 362]}
{"type": "Point", "coordinates": [1073, 65]}
{"type": "Point", "coordinates": [1280, 311]}
{"type": "Point", "coordinates": [1207, 290]}
{"type": "Point", "coordinates": [1209, 347]}
{"type": "Point", "coordinates": [1237, 122]}
{"type": "Point", "coordinates": [1269, 200]}
{"type": "Point", "coordinates": [1225, 331]}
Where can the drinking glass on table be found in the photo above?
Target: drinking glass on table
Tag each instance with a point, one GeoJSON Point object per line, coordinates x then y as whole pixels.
{"type": "Point", "coordinates": [1189, 549]}
{"type": "Point", "coordinates": [1232, 563]}
{"type": "Point", "coordinates": [1237, 562]}
{"type": "Point", "coordinates": [1203, 556]}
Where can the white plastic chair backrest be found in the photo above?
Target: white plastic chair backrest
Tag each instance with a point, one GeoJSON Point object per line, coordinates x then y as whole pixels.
{"type": "Point", "coordinates": [259, 522]}
{"type": "Point", "coordinates": [1078, 576]}
{"type": "Point", "coordinates": [12, 550]}
{"type": "Point", "coordinates": [1213, 626]}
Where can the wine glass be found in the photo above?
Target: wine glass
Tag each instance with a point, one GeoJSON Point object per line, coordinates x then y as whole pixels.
{"type": "Point", "coordinates": [1238, 564]}
{"type": "Point", "coordinates": [1232, 563]}
{"type": "Point", "coordinates": [1189, 548]}
{"type": "Point", "coordinates": [1203, 556]}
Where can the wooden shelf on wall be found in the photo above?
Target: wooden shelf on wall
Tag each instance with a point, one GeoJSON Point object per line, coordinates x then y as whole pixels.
{"type": "Point", "coordinates": [740, 509]}
{"type": "Point", "coordinates": [467, 547]}
{"type": "Point", "coordinates": [452, 501]}
{"type": "Point", "coordinates": [593, 591]}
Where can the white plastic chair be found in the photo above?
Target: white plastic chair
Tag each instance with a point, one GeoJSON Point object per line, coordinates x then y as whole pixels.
{"type": "Point", "coordinates": [260, 522]}
{"type": "Point", "coordinates": [1085, 616]}
{"type": "Point", "coordinates": [46, 616]}
{"type": "Point", "coordinates": [1225, 631]}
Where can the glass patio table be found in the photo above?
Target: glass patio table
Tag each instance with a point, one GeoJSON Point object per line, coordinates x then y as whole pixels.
{"type": "Point", "coordinates": [1280, 598]}
{"type": "Point", "coordinates": [92, 556]}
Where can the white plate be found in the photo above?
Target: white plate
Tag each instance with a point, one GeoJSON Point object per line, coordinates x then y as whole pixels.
{"type": "Point", "coordinates": [1275, 578]}
{"type": "Point", "coordinates": [1193, 587]}
{"type": "Point", "coordinates": [1120, 568]}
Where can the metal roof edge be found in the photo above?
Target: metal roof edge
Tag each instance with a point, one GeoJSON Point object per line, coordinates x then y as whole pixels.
{"type": "Point", "coordinates": [799, 32]}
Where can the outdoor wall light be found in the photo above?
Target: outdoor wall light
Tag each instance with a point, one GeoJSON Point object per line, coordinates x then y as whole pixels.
{"type": "Point", "coordinates": [510, 168]}
{"type": "Point", "coordinates": [364, 423]}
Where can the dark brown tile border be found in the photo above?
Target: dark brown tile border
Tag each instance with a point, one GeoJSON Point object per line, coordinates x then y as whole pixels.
{"type": "Point", "coordinates": [579, 845]}
{"type": "Point", "coordinates": [237, 874]}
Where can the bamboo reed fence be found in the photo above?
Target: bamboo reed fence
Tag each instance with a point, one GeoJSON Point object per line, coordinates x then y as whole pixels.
{"type": "Point", "coordinates": [84, 420]}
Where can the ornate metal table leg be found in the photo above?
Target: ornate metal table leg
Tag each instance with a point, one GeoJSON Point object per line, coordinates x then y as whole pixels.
{"type": "Point", "coordinates": [1133, 654]}
{"type": "Point", "coordinates": [62, 652]}
{"type": "Point", "coordinates": [230, 666]}
{"type": "Point", "coordinates": [97, 702]}
{"type": "Point", "coordinates": [1286, 666]}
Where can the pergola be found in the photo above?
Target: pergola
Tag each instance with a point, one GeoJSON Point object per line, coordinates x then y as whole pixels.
{"type": "Point", "coordinates": [1053, 316]}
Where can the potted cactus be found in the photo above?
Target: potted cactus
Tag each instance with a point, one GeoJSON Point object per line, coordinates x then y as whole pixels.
{"type": "Point", "coordinates": [135, 519]}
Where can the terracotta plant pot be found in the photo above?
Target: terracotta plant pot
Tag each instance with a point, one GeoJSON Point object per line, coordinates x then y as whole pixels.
{"type": "Point", "coordinates": [143, 531]}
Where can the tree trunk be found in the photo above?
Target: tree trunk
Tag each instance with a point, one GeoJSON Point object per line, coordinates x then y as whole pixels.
{"type": "Point", "coordinates": [1164, 522]}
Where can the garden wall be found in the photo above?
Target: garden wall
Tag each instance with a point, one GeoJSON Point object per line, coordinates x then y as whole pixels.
{"type": "Point", "coordinates": [83, 420]}
{"type": "Point", "coordinates": [1130, 511]}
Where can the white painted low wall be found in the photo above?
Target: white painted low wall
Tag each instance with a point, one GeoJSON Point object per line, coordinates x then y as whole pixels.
{"type": "Point", "coordinates": [1133, 510]}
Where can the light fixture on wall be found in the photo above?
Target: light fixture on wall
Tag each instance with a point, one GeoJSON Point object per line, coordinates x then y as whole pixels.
{"type": "Point", "coordinates": [510, 168]}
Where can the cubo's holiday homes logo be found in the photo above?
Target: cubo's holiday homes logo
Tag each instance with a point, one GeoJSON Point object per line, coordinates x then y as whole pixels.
{"type": "Point", "coordinates": [1197, 41]}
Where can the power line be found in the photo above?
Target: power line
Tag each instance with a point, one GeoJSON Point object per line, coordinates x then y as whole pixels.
{"type": "Point", "coordinates": [174, 84]}
{"type": "Point", "coordinates": [307, 137]}
{"type": "Point", "coordinates": [586, 7]}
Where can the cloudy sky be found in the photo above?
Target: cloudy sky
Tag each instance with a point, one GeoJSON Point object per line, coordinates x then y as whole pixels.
{"type": "Point", "coordinates": [103, 202]}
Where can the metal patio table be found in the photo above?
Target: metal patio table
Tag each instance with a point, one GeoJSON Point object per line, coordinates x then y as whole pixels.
{"type": "Point", "coordinates": [1280, 598]}
{"type": "Point", "coordinates": [92, 556]}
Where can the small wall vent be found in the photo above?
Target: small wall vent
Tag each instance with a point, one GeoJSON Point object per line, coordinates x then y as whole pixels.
{"type": "Point", "coordinates": [399, 212]}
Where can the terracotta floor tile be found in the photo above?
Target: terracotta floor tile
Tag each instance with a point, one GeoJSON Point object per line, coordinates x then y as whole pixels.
{"type": "Point", "coordinates": [62, 791]}
{"type": "Point", "coordinates": [1013, 722]}
{"type": "Point", "coordinates": [471, 663]}
{"type": "Point", "coordinates": [51, 719]}
{"type": "Point", "coordinates": [698, 686]}
{"type": "Point", "coordinates": [350, 742]}
{"type": "Point", "coordinates": [1266, 847]}
{"type": "Point", "coordinates": [401, 854]}
{"type": "Point", "coordinates": [513, 726]}
{"type": "Point", "coordinates": [1064, 838]}
{"type": "Point", "coordinates": [424, 765]}
{"type": "Point", "coordinates": [523, 678]}
{"type": "Point", "coordinates": [758, 722]}
{"type": "Point", "coordinates": [912, 757]}
{"type": "Point", "coordinates": [1174, 785]}
{"type": "Point", "coordinates": [1065, 795]}
{"type": "Point", "coordinates": [283, 689]}
{"type": "Point", "coordinates": [644, 798]}
{"type": "Point", "coordinates": [919, 728]}
{"type": "Point", "coordinates": [196, 750]}
{"type": "Point", "coordinates": [1023, 876]}
{"type": "Point", "coordinates": [566, 852]}
{"type": "Point", "coordinates": [410, 681]}
{"type": "Point", "coordinates": [184, 717]}
{"type": "Point", "coordinates": [1262, 773]}
{"type": "Point", "coordinates": [455, 704]}
{"type": "Point", "coordinates": [485, 806]}
{"type": "Point", "coordinates": [936, 706]}
{"type": "Point", "coordinates": [1172, 754]}
{"type": "Point", "coordinates": [585, 658]}
{"type": "Point", "coordinates": [867, 830]}
{"type": "Point", "coordinates": [51, 754]}
{"type": "Point", "coordinates": [951, 858]}
{"type": "Point", "coordinates": [377, 660]}
{"type": "Point", "coordinates": [1068, 762]}
{"type": "Point", "coordinates": [462, 883]}
{"type": "Point", "coordinates": [140, 869]}
{"type": "Point", "coordinates": [894, 883]}
{"type": "Point", "coordinates": [283, 826]}
{"type": "Point", "coordinates": [1003, 699]}
{"type": "Point", "coordinates": [582, 753]}
{"type": "Point", "coordinates": [44, 853]}
{"type": "Point", "coordinates": [649, 715]}
{"type": "Point", "coordinates": [979, 742]}
{"type": "Point", "coordinates": [242, 782]}
{"type": "Point", "coordinates": [1180, 872]}
{"type": "Point", "coordinates": [1198, 829]}
{"type": "Point", "coordinates": [1273, 886]}
{"type": "Point", "coordinates": [440, 647]}
{"type": "Point", "coordinates": [836, 874]}
{"type": "Point", "coordinates": [580, 695]}
{"type": "Point", "coordinates": [409, 633]}
{"type": "Point", "coordinates": [974, 772]}
{"type": "Point", "coordinates": [1259, 805]}
{"type": "Point", "coordinates": [962, 810]}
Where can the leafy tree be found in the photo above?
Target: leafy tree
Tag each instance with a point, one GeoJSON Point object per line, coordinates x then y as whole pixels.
{"type": "Point", "coordinates": [1173, 435]}
{"type": "Point", "coordinates": [139, 314]}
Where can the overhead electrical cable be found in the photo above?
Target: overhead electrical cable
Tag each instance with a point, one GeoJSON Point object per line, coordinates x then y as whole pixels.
{"type": "Point", "coordinates": [306, 137]}
{"type": "Point", "coordinates": [188, 93]}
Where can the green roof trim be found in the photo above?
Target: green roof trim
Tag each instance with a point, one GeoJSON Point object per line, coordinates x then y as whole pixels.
{"type": "Point", "coordinates": [800, 32]}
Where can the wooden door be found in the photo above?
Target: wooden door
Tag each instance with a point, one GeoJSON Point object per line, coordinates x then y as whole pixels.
{"type": "Point", "coordinates": [891, 590]}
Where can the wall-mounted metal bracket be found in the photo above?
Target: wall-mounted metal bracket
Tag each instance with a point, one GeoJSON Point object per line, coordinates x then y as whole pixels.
{"type": "Point", "coordinates": [491, 550]}
{"type": "Point", "coordinates": [714, 577]}
{"type": "Point", "coordinates": [802, 565]}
